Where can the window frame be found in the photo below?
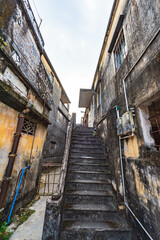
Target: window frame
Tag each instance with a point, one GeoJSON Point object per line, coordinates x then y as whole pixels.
{"type": "Point", "coordinates": [98, 95]}
{"type": "Point", "coordinates": [120, 50]}
{"type": "Point", "coordinates": [155, 117]}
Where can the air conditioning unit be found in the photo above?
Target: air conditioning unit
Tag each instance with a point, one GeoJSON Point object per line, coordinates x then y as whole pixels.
{"type": "Point", "coordinates": [125, 124]}
{"type": "Point", "coordinates": [119, 126]}
{"type": "Point", "coordinates": [128, 123]}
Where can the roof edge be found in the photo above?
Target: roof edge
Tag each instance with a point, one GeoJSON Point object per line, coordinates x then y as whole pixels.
{"type": "Point", "coordinates": [51, 66]}
{"type": "Point", "coordinates": [104, 41]}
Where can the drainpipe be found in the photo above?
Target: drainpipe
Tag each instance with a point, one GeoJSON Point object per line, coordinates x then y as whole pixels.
{"type": "Point", "coordinates": [125, 95]}
{"type": "Point", "coordinates": [14, 200]}
{"type": "Point", "coordinates": [123, 182]}
{"type": "Point", "coordinates": [12, 155]}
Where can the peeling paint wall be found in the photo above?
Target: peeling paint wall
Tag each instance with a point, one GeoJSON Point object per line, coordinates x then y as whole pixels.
{"type": "Point", "coordinates": [141, 70]}
{"type": "Point", "coordinates": [8, 123]}
{"type": "Point", "coordinates": [25, 152]}
{"type": "Point", "coordinates": [24, 84]}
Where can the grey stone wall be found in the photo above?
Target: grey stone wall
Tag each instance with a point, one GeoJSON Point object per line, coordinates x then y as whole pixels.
{"type": "Point", "coordinates": [141, 23]}
{"type": "Point", "coordinates": [56, 131]}
{"type": "Point", "coordinates": [24, 47]}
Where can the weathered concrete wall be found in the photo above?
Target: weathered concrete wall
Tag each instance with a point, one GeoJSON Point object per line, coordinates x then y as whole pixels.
{"type": "Point", "coordinates": [55, 140]}
{"type": "Point", "coordinates": [141, 70]}
{"type": "Point", "coordinates": [29, 151]}
{"type": "Point", "coordinates": [24, 83]}
{"type": "Point", "coordinates": [56, 134]}
{"type": "Point", "coordinates": [23, 49]}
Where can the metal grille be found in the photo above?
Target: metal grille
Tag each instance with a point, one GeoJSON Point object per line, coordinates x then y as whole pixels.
{"type": "Point", "coordinates": [120, 51]}
{"type": "Point", "coordinates": [49, 179]}
{"type": "Point", "coordinates": [29, 127]}
{"type": "Point", "coordinates": [154, 117]}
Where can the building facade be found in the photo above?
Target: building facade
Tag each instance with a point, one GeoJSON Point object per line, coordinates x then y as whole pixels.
{"type": "Point", "coordinates": [124, 106]}
{"type": "Point", "coordinates": [58, 117]}
{"type": "Point", "coordinates": [27, 94]}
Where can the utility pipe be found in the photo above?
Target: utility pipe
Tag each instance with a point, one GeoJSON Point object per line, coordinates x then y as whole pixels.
{"type": "Point", "coordinates": [14, 200]}
{"type": "Point", "coordinates": [123, 183]}
{"type": "Point", "coordinates": [12, 156]}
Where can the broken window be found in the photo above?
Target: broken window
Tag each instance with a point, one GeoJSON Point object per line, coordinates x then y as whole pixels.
{"type": "Point", "coordinates": [120, 51]}
{"type": "Point", "coordinates": [29, 127]}
{"type": "Point", "coordinates": [154, 118]}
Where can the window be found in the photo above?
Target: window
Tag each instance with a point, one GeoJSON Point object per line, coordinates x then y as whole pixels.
{"type": "Point", "coordinates": [53, 145]}
{"type": "Point", "coordinates": [99, 95]}
{"type": "Point", "coordinates": [120, 51]}
{"type": "Point", "coordinates": [16, 58]}
{"type": "Point", "coordinates": [29, 127]}
{"type": "Point", "coordinates": [51, 78]}
{"type": "Point", "coordinates": [154, 118]}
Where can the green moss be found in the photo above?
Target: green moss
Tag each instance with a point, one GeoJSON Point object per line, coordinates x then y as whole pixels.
{"type": "Point", "coordinates": [12, 93]}
{"type": "Point", "coordinates": [3, 234]}
{"type": "Point", "coordinates": [25, 214]}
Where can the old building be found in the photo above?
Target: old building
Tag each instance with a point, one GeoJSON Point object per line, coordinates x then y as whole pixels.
{"type": "Point", "coordinates": [124, 106]}
{"type": "Point", "coordinates": [28, 90]}
{"type": "Point", "coordinates": [58, 117]}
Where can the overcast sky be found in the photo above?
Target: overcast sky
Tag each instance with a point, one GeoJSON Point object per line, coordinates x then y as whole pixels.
{"type": "Point", "coordinates": [73, 31]}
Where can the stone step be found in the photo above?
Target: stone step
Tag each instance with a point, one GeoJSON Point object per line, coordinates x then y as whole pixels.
{"type": "Point", "coordinates": [93, 214]}
{"type": "Point", "coordinates": [86, 142]}
{"type": "Point", "coordinates": [72, 175]}
{"type": "Point", "coordinates": [87, 197]}
{"type": "Point", "coordinates": [87, 160]}
{"type": "Point", "coordinates": [86, 155]}
{"type": "Point", "coordinates": [87, 151]}
{"type": "Point", "coordinates": [90, 206]}
{"type": "Point", "coordinates": [88, 167]}
{"type": "Point", "coordinates": [89, 185]}
{"type": "Point", "coordinates": [108, 230]}
{"type": "Point", "coordinates": [85, 137]}
{"type": "Point", "coordinates": [86, 146]}
{"type": "Point", "coordinates": [83, 131]}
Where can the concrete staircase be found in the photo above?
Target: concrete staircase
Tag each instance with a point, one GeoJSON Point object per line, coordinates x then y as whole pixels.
{"type": "Point", "coordinates": [90, 210]}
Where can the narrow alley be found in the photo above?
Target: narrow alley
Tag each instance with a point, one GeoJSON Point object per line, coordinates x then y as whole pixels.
{"type": "Point", "coordinates": [80, 160]}
{"type": "Point", "coordinates": [90, 210]}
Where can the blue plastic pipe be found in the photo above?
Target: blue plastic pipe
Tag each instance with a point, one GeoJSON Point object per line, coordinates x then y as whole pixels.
{"type": "Point", "coordinates": [17, 193]}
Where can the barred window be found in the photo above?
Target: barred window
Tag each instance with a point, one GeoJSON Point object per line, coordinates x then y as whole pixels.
{"type": "Point", "coordinates": [154, 118]}
{"type": "Point", "coordinates": [120, 51]}
{"type": "Point", "coordinates": [29, 127]}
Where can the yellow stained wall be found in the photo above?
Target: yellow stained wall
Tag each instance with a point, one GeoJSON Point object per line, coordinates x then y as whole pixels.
{"type": "Point", "coordinates": [48, 69]}
{"type": "Point", "coordinates": [8, 124]}
{"type": "Point", "coordinates": [131, 148]}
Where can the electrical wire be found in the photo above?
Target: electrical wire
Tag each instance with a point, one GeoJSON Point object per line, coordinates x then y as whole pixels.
{"type": "Point", "coordinates": [37, 12]}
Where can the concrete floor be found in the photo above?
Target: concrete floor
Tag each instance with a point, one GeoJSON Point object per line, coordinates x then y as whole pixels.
{"type": "Point", "coordinates": [33, 227]}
